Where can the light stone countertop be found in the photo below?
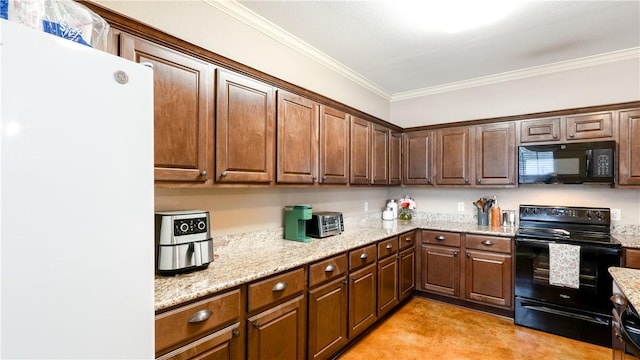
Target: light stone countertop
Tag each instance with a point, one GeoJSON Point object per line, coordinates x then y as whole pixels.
{"type": "Point", "coordinates": [629, 241]}
{"type": "Point", "coordinates": [239, 259]}
{"type": "Point", "coordinates": [629, 282]}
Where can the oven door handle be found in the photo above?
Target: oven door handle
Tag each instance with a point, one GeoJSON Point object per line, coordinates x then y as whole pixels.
{"type": "Point", "coordinates": [548, 310]}
{"type": "Point", "coordinates": [545, 243]}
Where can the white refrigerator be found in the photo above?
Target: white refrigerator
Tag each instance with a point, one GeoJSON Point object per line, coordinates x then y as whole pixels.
{"type": "Point", "coordinates": [76, 201]}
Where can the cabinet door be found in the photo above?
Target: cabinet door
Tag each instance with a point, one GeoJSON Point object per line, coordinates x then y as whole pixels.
{"type": "Point", "coordinates": [334, 146]}
{"type": "Point", "coordinates": [629, 146]}
{"type": "Point", "coordinates": [221, 345]}
{"type": "Point", "coordinates": [406, 277]}
{"type": "Point", "coordinates": [536, 130]}
{"type": "Point", "coordinates": [495, 155]}
{"type": "Point", "coordinates": [590, 126]}
{"type": "Point", "coordinates": [278, 333]}
{"type": "Point", "coordinates": [488, 278]}
{"type": "Point", "coordinates": [441, 269]}
{"type": "Point", "coordinates": [244, 129]}
{"type": "Point", "coordinates": [387, 284]}
{"type": "Point", "coordinates": [362, 300]}
{"type": "Point", "coordinates": [395, 158]}
{"type": "Point", "coordinates": [327, 319]}
{"type": "Point", "coordinates": [360, 151]}
{"type": "Point", "coordinates": [453, 156]}
{"type": "Point", "coordinates": [182, 109]}
{"type": "Point", "coordinates": [417, 158]}
{"type": "Point", "coordinates": [297, 140]}
{"type": "Point", "coordinates": [379, 155]}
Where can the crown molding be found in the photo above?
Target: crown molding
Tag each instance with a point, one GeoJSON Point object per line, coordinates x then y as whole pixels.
{"type": "Point", "coordinates": [627, 54]}
{"type": "Point", "coordinates": [250, 18]}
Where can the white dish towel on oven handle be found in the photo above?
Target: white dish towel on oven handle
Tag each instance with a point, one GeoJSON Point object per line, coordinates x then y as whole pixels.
{"type": "Point", "coordinates": [564, 265]}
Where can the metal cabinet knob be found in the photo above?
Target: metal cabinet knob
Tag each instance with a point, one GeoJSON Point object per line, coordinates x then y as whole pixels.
{"type": "Point", "coordinates": [314, 178]}
{"type": "Point", "coordinates": [329, 268]}
{"type": "Point", "coordinates": [571, 135]}
{"type": "Point", "coordinates": [468, 255]}
{"type": "Point", "coordinates": [200, 316]}
{"type": "Point", "coordinates": [364, 256]}
{"type": "Point", "coordinates": [324, 178]}
{"type": "Point", "coordinates": [235, 332]}
{"type": "Point", "coordinates": [455, 253]}
{"type": "Point", "coordinates": [389, 247]}
{"type": "Point", "coordinates": [203, 173]}
{"type": "Point", "coordinates": [224, 173]}
{"type": "Point", "coordinates": [279, 286]}
{"type": "Point", "coordinates": [487, 243]}
{"type": "Point", "coordinates": [555, 136]}
{"type": "Point", "coordinates": [441, 238]}
{"type": "Point", "coordinates": [407, 239]}
{"type": "Point", "coordinates": [478, 181]}
{"type": "Point", "coordinates": [466, 181]}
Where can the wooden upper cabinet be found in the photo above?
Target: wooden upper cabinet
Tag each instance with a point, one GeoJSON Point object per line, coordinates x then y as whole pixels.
{"type": "Point", "coordinates": [183, 109]}
{"type": "Point", "coordinates": [540, 130]}
{"type": "Point", "coordinates": [495, 155]}
{"type": "Point", "coordinates": [379, 155]}
{"type": "Point", "coordinates": [245, 124]}
{"type": "Point", "coordinates": [297, 140]}
{"type": "Point", "coordinates": [453, 156]}
{"type": "Point", "coordinates": [589, 126]}
{"type": "Point", "coordinates": [395, 158]}
{"type": "Point", "coordinates": [334, 146]}
{"type": "Point", "coordinates": [629, 146]}
{"type": "Point", "coordinates": [417, 158]}
{"type": "Point", "coordinates": [360, 151]}
{"type": "Point", "coordinates": [599, 126]}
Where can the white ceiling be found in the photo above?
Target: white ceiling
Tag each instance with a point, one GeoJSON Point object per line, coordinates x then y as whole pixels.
{"type": "Point", "coordinates": [370, 42]}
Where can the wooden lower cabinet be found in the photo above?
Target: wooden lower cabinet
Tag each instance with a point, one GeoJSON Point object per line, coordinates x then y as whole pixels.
{"type": "Point", "coordinates": [362, 299]}
{"type": "Point", "coordinates": [327, 319]}
{"type": "Point", "coordinates": [441, 269]}
{"type": "Point", "coordinates": [406, 273]}
{"type": "Point", "coordinates": [278, 333]}
{"type": "Point", "coordinates": [387, 284]}
{"type": "Point", "coordinates": [488, 278]}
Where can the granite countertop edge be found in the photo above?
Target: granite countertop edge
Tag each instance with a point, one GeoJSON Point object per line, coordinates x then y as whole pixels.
{"type": "Point", "coordinates": [629, 282]}
{"type": "Point", "coordinates": [242, 258]}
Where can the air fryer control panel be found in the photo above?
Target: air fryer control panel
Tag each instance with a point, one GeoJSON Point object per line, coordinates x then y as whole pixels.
{"type": "Point", "coordinates": [189, 226]}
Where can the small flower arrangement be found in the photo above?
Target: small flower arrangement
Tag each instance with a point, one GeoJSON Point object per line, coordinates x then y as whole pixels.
{"type": "Point", "coordinates": [407, 202]}
{"type": "Point", "coordinates": [406, 205]}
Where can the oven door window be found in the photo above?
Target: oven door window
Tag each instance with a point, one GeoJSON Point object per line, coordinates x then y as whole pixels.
{"type": "Point", "coordinates": [532, 276]}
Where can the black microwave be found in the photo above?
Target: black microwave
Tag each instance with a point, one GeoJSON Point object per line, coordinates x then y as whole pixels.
{"type": "Point", "coordinates": [579, 163]}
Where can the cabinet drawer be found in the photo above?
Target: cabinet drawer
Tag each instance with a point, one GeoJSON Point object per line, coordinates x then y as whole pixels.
{"type": "Point", "coordinates": [441, 238]}
{"type": "Point", "coordinates": [177, 327]}
{"type": "Point", "coordinates": [488, 243]}
{"type": "Point", "coordinates": [362, 256]}
{"type": "Point", "coordinates": [387, 247]}
{"type": "Point", "coordinates": [632, 258]}
{"type": "Point", "coordinates": [407, 240]}
{"type": "Point", "coordinates": [276, 288]}
{"type": "Point", "coordinates": [327, 269]}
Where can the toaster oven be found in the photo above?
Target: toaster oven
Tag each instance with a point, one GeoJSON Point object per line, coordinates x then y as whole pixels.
{"type": "Point", "coordinates": [325, 223]}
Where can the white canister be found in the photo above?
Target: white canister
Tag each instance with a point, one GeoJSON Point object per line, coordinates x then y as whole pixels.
{"type": "Point", "coordinates": [393, 205]}
{"type": "Point", "coordinates": [387, 214]}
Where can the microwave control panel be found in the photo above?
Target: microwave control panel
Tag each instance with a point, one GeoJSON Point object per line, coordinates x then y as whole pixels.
{"type": "Point", "coordinates": [602, 161]}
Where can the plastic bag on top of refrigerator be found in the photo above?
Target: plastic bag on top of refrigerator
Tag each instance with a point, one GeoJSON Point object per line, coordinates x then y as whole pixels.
{"type": "Point", "coordinates": [64, 18]}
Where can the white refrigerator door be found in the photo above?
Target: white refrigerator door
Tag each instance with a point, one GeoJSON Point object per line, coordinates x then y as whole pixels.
{"type": "Point", "coordinates": [76, 213]}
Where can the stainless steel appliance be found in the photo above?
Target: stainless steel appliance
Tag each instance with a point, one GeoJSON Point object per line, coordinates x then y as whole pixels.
{"type": "Point", "coordinates": [591, 162]}
{"type": "Point", "coordinates": [183, 241]}
{"type": "Point", "coordinates": [582, 313]}
{"type": "Point", "coordinates": [625, 330]}
{"type": "Point", "coordinates": [325, 223]}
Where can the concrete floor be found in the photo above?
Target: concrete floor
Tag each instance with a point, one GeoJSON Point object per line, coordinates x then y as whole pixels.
{"type": "Point", "coordinates": [426, 329]}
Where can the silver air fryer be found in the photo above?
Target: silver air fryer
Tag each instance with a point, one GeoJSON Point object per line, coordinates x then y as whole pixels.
{"type": "Point", "coordinates": [183, 241]}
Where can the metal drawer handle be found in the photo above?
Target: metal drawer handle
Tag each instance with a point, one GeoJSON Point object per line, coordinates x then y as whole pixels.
{"type": "Point", "coordinates": [279, 286]}
{"type": "Point", "coordinates": [455, 253]}
{"type": "Point", "coordinates": [329, 268]}
{"type": "Point", "coordinates": [364, 256]}
{"type": "Point", "coordinates": [487, 243]}
{"type": "Point", "coordinates": [200, 316]}
{"type": "Point", "coordinates": [407, 239]}
{"type": "Point", "coordinates": [441, 238]}
{"type": "Point", "coordinates": [389, 247]}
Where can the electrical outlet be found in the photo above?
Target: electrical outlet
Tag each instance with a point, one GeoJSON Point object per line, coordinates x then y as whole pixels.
{"type": "Point", "coordinates": [366, 206]}
{"type": "Point", "coordinates": [616, 214]}
{"type": "Point", "coordinates": [460, 206]}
